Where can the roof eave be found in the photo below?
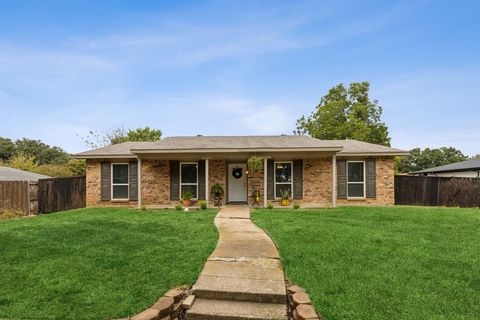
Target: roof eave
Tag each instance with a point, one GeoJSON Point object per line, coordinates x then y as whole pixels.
{"type": "Point", "coordinates": [235, 150]}
{"type": "Point", "coordinates": [105, 156]}
{"type": "Point", "coordinates": [378, 154]}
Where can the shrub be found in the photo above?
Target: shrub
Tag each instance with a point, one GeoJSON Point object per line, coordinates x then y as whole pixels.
{"type": "Point", "coordinates": [270, 205]}
{"type": "Point", "coordinates": [187, 195]}
{"type": "Point", "coordinates": [296, 206]}
{"type": "Point", "coordinates": [144, 208]}
{"type": "Point", "coordinates": [202, 204]}
{"type": "Point", "coordinates": [178, 207]}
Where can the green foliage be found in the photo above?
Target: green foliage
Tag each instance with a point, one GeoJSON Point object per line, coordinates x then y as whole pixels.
{"type": "Point", "coordinates": [178, 207]}
{"type": "Point", "coordinates": [216, 189]}
{"type": "Point", "coordinates": [296, 206]}
{"type": "Point", "coordinates": [144, 134]}
{"type": "Point", "coordinates": [255, 164]}
{"type": "Point", "coordinates": [96, 139]}
{"type": "Point", "coordinates": [419, 159]}
{"type": "Point", "coordinates": [43, 153]}
{"type": "Point", "coordinates": [346, 114]}
{"type": "Point", "coordinates": [187, 195]}
{"type": "Point", "coordinates": [270, 205]}
{"type": "Point", "coordinates": [23, 161]}
{"type": "Point", "coordinates": [202, 204]}
{"type": "Point", "coordinates": [284, 194]}
{"type": "Point", "coordinates": [7, 149]}
{"type": "Point", "coordinates": [76, 167]}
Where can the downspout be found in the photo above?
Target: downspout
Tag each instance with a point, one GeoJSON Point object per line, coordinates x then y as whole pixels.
{"type": "Point", "coordinates": [206, 182]}
{"type": "Point", "coordinates": [265, 182]}
{"type": "Point", "coordinates": [139, 183]}
{"type": "Point", "coordinates": [334, 181]}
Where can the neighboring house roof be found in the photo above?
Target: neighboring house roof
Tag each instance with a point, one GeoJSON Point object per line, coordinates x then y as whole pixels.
{"type": "Point", "coordinates": [280, 143]}
{"type": "Point", "coordinates": [11, 174]}
{"type": "Point", "coordinates": [469, 165]}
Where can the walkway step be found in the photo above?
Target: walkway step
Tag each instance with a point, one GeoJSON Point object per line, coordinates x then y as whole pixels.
{"type": "Point", "coordinates": [204, 309]}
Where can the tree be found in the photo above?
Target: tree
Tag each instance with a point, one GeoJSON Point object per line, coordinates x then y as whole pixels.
{"type": "Point", "coordinates": [419, 159]}
{"type": "Point", "coordinates": [43, 153]}
{"type": "Point", "coordinates": [476, 157]}
{"type": "Point", "coordinates": [23, 161]}
{"type": "Point", "coordinates": [7, 149]}
{"type": "Point", "coordinates": [346, 114]}
{"type": "Point", "coordinates": [96, 139]}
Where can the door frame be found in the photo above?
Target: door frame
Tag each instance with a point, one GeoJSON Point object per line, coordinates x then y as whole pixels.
{"type": "Point", "coordinates": [228, 182]}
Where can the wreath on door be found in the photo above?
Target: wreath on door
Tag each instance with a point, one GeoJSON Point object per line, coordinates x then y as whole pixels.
{"type": "Point", "coordinates": [237, 173]}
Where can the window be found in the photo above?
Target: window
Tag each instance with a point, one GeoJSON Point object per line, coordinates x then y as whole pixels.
{"type": "Point", "coordinates": [356, 179]}
{"type": "Point", "coordinates": [120, 181]}
{"type": "Point", "coordinates": [189, 178]}
{"type": "Point", "coordinates": [283, 178]}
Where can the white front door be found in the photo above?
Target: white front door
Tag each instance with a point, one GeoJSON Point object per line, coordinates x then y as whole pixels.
{"type": "Point", "coordinates": [237, 182]}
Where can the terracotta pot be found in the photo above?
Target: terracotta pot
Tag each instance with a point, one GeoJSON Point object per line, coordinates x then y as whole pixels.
{"type": "Point", "coordinates": [284, 202]}
{"type": "Point", "coordinates": [187, 203]}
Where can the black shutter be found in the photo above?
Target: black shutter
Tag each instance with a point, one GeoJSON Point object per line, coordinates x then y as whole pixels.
{"type": "Point", "coordinates": [174, 180]}
{"type": "Point", "coordinates": [105, 180]}
{"type": "Point", "coordinates": [133, 180]}
{"type": "Point", "coordinates": [342, 179]}
{"type": "Point", "coordinates": [297, 179]}
{"type": "Point", "coordinates": [201, 180]}
{"type": "Point", "coordinates": [270, 180]}
{"type": "Point", "coordinates": [371, 179]}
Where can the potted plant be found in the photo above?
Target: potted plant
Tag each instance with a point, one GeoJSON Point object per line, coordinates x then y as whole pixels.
{"type": "Point", "coordinates": [187, 199]}
{"type": "Point", "coordinates": [285, 196]}
{"type": "Point", "coordinates": [217, 191]}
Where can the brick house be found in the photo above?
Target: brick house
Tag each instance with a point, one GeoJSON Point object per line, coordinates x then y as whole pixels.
{"type": "Point", "coordinates": [316, 173]}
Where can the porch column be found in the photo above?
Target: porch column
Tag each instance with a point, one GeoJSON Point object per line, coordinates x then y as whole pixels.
{"type": "Point", "coordinates": [334, 181]}
{"type": "Point", "coordinates": [207, 191]}
{"type": "Point", "coordinates": [139, 183]}
{"type": "Point", "coordinates": [265, 182]}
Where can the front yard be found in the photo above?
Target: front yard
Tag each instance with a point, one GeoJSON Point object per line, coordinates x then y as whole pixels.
{"type": "Point", "coordinates": [99, 263]}
{"type": "Point", "coordinates": [382, 263]}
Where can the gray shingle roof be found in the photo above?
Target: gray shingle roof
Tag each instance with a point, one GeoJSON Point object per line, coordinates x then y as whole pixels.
{"type": "Point", "coordinates": [469, 165]}
{"type": "Point", "coordinates": [247, 143]}
{"type": "Point", "coordinates": [11, 174]}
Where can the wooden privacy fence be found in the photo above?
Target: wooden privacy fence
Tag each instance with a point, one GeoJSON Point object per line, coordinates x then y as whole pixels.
{"type": "Point", "coordinates": [59, 194]}
{"type": "Point", "coordinates": [19, 196]}
{"type": "Point", "coordinates": [437, 191]}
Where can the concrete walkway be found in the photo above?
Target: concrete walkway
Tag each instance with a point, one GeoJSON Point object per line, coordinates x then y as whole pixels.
{"type": "Point", "coordinates": [243, 278]}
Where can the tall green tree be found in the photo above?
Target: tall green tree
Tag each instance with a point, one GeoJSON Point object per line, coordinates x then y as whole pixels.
{"type": "Point", "coordinates": [43, 153]}
{"type": "Point", "coordinates": [96, 139]}
{"type": "Point", "coordinates": [419, 159]}
{"type": "Point", "coordinates": [7, 149]}
{"type": "Point", "coordinates": [346, 113]}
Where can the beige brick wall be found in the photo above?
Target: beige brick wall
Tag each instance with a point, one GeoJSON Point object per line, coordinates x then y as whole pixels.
{"type": "Point", "coordinates": [217, 170]}
{"type": "Point", "coordinates": [93, 196]}
{"type": "Point", "coordinates": [384, 186]}
{"type": "Point", "coordinates": [156, 183]}
{"type": "Point", "coordinates": [317, 182]}
{"type": "Point", "coordinates": [258, 182]}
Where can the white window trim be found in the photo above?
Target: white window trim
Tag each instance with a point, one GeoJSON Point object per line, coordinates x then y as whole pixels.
{"type": "Point", "coordinates": [120, 184]}
{"type": "Point", "coordinates": [187, 184]}
{"type": "Point", "coordinates": [364, 181]}
{"type": "Point", "coordinates": [284, 183]}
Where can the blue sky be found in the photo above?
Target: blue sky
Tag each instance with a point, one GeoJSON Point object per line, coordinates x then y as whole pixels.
{"type": "Point", "coordinates": [236, 67]}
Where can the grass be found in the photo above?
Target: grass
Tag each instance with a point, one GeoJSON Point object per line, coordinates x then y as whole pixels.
{"type": "Point", "coordinates": [99, 263]}
{"type": "Point", "coordinates": [382, 263]}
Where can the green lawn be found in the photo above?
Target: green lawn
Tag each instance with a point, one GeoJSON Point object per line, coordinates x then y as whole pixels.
{"type": "Point", "coordinates": [382, 263]}
{"type": "Point", "coordinates": [99, 263]}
